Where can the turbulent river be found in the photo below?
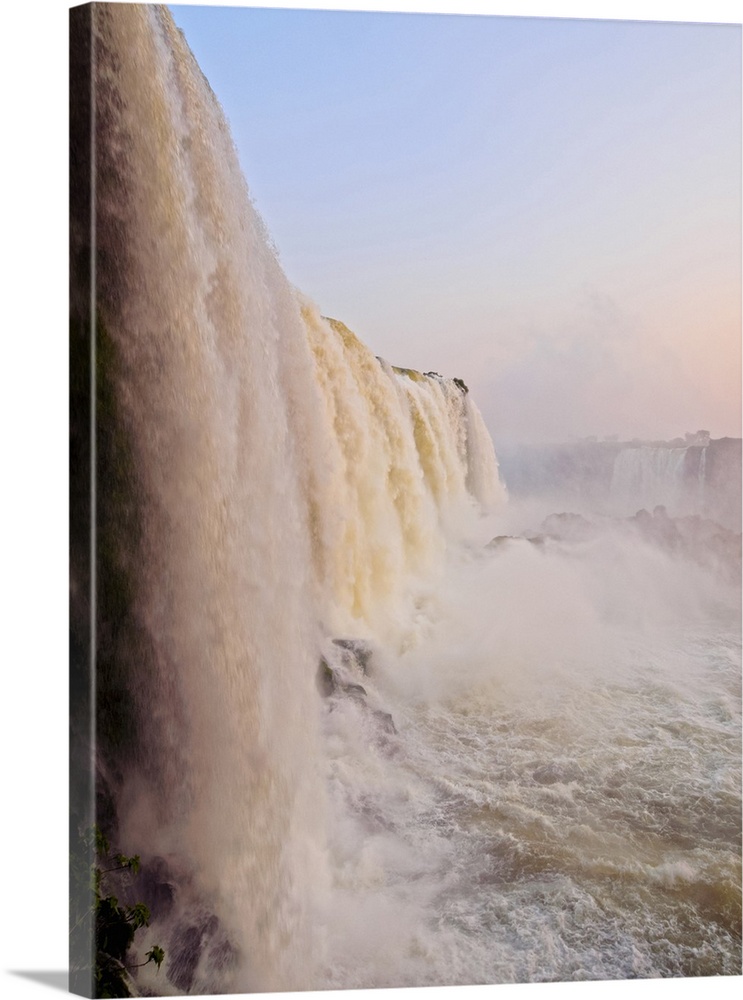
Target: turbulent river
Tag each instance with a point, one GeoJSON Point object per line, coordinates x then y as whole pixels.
{"type": "Point", "coordinates": [365, 746]}
{"type": "Point", "coordinates": [563, 799]}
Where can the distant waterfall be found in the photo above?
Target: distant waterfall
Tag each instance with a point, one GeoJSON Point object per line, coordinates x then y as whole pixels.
{"type": "Point", "coordinates": [272, 482]}
{"type": "Point", "coordinates": [701, 483]}
{"type": "Point", "coordinates": [649, 476]}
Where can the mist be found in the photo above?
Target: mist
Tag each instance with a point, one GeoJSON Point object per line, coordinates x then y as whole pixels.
{"type": "Point", "coordinates": [603, 371]}
{"type": "Point", "coordinates": [567, 703]}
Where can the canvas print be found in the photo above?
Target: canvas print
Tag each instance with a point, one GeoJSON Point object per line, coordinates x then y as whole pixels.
{"type": "Point", "coordinates": [405, 500]}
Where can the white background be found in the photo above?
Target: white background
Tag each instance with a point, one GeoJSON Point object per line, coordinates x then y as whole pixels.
{"type": "Point", "coordinates": [33, 548]}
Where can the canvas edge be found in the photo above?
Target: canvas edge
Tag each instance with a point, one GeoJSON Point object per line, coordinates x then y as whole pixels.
{"type": "Point", "coordinates": [82, 487]}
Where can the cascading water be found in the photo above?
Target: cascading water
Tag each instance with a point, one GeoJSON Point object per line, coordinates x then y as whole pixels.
{"type": "Point", "coordinates": [483, 480]}
{"type": "Point", "coordinates": [207, 350]}
{"type": "Point", "coordinates": [399, 462]}
{"type": "Point", "coordinates": [702, 478]}
{"type": "Point", "coordinates": [272, 484]}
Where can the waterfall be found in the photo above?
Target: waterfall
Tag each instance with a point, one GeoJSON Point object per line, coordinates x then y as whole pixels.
{"type": "Point", "coordinates": [209, 353]}
{"type": "Point", "coordinates": [702, 478]}
{"type": "Point", "coordinates": [648, 477]}
{"type": "Point", "coordinates": [483, 481]}
{"type": "Point", "coordinates": [399, 462]}
{"type": "Point", "coordinates": [264, 482]}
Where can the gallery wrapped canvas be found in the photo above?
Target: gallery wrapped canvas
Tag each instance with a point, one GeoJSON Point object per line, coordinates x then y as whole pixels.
{"type": "Point", "coordinates": [353, 704]}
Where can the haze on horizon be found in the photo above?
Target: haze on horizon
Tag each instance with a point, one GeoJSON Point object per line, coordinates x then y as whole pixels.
{"type": "Point", "coordinates": [549, 209]}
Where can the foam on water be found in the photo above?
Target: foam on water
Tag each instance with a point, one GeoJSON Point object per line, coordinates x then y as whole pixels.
{"type": "Point", "coordinates": [562, 800]}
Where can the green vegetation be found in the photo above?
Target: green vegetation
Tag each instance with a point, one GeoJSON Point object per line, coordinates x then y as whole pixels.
{"type": "Point", "coordinates": [114, 924]}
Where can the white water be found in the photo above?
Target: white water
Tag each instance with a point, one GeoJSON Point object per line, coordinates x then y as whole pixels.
{"type": "Point", "coordinates": [563, 798]}
{"type": "Point", "coordinates": [559, 797]}
{"type": "Point", "coordinates": [399, 465]}
{"type": "Point", "coordinates": [213, 351]}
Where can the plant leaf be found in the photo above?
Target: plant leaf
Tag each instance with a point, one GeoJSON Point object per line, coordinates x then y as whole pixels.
{"type": "Point", "coordinates": [156, 955]}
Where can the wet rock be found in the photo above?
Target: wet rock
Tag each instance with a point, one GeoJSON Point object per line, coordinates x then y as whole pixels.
{"type": "Point", "coordinates": [658, 528]}
{"type": "Point", "coordinates": [500, 541]}
{"type": "Point", "coordinates": [183, 957]}
{"type": "Point", "coordinates": [331, 682]}
{"type": "Point", "coordinates": [385, 720]}
{"type": "Point", "coordinates": [197, 953]}
{"type": "Point", "coordinates": [355, 690]}
{"type": "Point", "coordinates": [327, 682]}
{"type": "Point", "coordinates": [360, 652]}
{"type": "Point", "coordinates": [339, 680]}
{"type": "Point", "coordinates": [155, 887]}
{"type": "Point", "coordinates": [222, 956]}
{"type": "Point", "coordinates": [568, 527]}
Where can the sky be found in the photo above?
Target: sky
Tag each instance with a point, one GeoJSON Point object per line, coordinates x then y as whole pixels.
{"type": "Point", "coordinates": [547, 208]}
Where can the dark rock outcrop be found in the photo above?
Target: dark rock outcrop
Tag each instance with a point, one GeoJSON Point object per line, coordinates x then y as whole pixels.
{"type": "Point", "coordinates": [359, 650]}
{"type": "Point", "coordinates": [385, 720]}
{"type": "Point", "coordinates": [327, 683]}
{"type": "Point", "coordinates": [337, 677]}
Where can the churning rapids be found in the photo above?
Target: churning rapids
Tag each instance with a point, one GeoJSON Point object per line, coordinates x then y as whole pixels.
{"type": "Point", "coordinates": [520, 762]}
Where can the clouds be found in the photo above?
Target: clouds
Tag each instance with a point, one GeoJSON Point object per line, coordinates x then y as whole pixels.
{"type": "Point", "coordinates": [601, 369]}
{"type": "Point", "coordinates": [561, 376]}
